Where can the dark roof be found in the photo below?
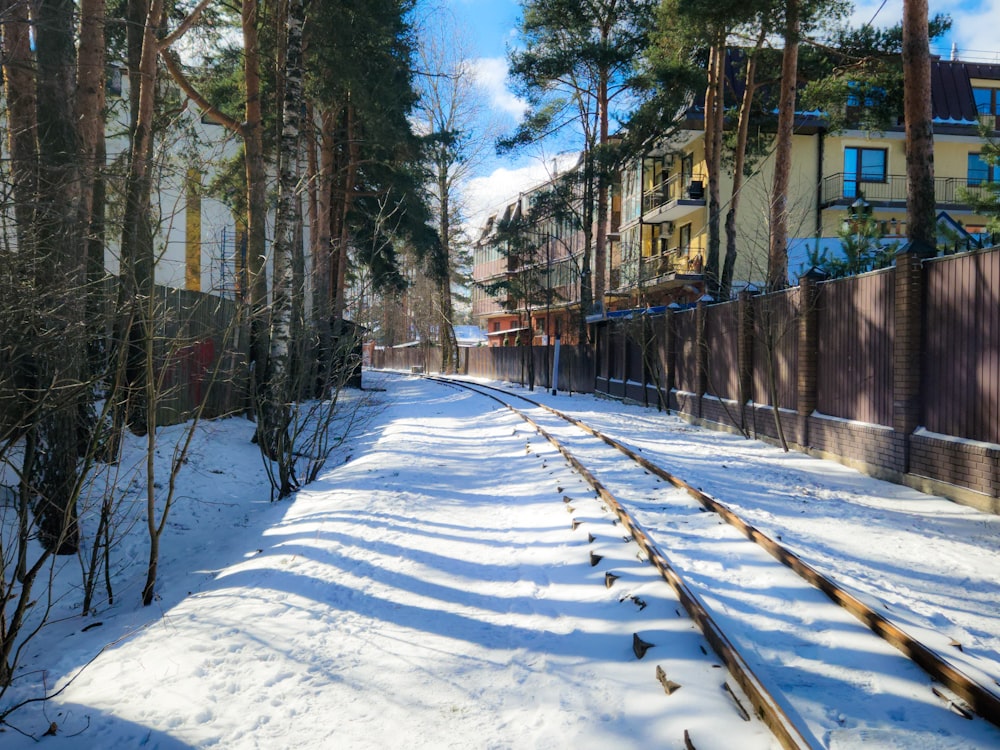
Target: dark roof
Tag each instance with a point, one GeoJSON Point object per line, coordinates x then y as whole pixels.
{"type": "Point", "coordinates": [951, 88]}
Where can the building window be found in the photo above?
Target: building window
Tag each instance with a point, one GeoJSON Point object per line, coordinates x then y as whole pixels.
{"type": "Point", "coordinates": [496, 326]}
{"type": "Point", "coordinates": [863, 165]}
{"type": "Point", "coordinates": [684, 244]}
{"type": "Point", "coordinates": [979, 171]}
{"type": "Point", "coordinates": [987, 101]}
{"type": "Point", "coordinates": [687, 170]}
{"type": "Point", "coordinates": [988, 106]}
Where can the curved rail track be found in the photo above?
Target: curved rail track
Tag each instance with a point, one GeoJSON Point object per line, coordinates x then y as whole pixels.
{"type": "Point", "coordinates": [964, 694]}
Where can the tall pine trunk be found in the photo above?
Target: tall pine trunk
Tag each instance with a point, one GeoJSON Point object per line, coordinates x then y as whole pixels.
{"type": "Point", "coordinates": [740, 155]}
{"type": "Point", "coordinates": [449, 344]}
{"type": "Point", "coordinates": [60, 279]}
{"type": "Point", "coordinates": [353, 149]}
{"type": "Point", "coordinates": [714, 124]}
{"type": "Point", "coordinates": [777, 261]}
{"type": "Point", "coordinates": [601, 239]}
{"type": "Point", "coordinates": [137, 229]}
{"type": "Point", "coordinates": [920, 204]}
{"type": "Point", "coordinates": [254, 285]}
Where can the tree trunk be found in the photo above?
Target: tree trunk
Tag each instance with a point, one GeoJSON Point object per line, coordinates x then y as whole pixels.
{"type": "Point", "coordinates": [344, 238]}
{"type": "Point", "coordinates": [89, 110]}
{"type": "Point", "coordinates": [449, 345]}
{"type": "Point", "coordinates": [322, 273]}
{"type": "Point", "coordinates": [601, 239]}
{"type": "Point", "coordinates": [777, 265]}
{"type": "Point", "coordinates": [586, 282]}
{"type": "Point", "coordinates": [920, 204]}
{"type": "Point", "coordinates": [60, 278]}
{"type": "Point", "coordinates": [19, 90]}
{"type": "Point", "coordinates": [742, 136]}
{"type": "Point", "coordinates": [714, 124]}
{"type": "Point", "coordinates": [137, 231]}
{"type": "Point", "coordinates": [276, 410]}
{"type": "Point", "coordinates": [254, 286]}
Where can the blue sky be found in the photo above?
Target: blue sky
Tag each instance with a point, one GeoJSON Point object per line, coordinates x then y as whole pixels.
{"type": "Point", "coordinates": [491, 26]}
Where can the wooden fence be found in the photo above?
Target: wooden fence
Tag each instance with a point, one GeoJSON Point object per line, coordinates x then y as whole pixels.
{"type": "Point", "coordinates": [200, 352]}
{"type": "Point", "coordinates": [525, 365]}
{"type": "Point", "coordinates": [896, 372]}
{"type": "Point", "coordinates": [961, 363]}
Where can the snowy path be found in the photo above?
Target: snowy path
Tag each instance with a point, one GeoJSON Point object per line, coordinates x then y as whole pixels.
{"type": "Point", "coordinates": [428, 592]}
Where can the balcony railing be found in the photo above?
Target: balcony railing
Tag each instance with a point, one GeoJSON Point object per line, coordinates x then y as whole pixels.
{"type": "Point", "coordinates": [669, 264]}
{"type": "Point", "coordinates": [678, 187]}
{"type": "Point", "coordinates": [845, 188]}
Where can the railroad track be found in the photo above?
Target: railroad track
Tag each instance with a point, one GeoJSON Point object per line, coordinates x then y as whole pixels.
{"type": "Point", "coordinates": [955, 690]}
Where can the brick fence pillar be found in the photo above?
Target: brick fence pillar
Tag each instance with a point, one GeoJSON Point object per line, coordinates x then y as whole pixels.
{"type": "Point", "coordinates": [701, 356]}
{"type": "Point", "coordinates": [669, 354]}
{"type": "Point", "coordinates": [744, 348]}
{"type": "Point", "coordinates": [807, 387]}
{"type": "Point", "coordinates": [907, 399]}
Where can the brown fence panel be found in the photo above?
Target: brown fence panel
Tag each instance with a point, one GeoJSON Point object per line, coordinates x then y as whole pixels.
{"type": "Point", "coordinates": [687, 343]}
{"type": "Point", "coordinates": [602, 359]}
{"type": "Point", "coordinates": [426, 358]}
{"type": "Point", "coordinates": [776, 344]}
{"type": "Point", "coordinates": [962, 346]}
{"type": "Point", "coordinates": [616, 348]}
{"type": "Point", "coordinates": [636, 371]}
{"type": "Point", "coordinates": [722, 338]}
{"type": "Point", "coordinates": [576, 369]}
{"type": "Point", "coordinates": [856, 328]}
{"type": "Point", "coordinates": [510, 364]}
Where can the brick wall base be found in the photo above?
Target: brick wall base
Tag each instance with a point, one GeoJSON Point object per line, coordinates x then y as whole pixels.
{"type": "Point", "coordinates": [857, 442]}
{"type": "Point", "coordinates": [965, 463]}
{"type": "Point", "coordinates": [964, 471]}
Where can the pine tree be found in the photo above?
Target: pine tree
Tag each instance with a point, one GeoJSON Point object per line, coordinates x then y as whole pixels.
{"type": "Point", "coordinates": [577, 63]}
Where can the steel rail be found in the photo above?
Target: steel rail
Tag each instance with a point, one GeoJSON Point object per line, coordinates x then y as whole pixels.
{"type": "Point", "coordinates": [981, 699]}
{"type": "Point", "coordinates": [766, 706]}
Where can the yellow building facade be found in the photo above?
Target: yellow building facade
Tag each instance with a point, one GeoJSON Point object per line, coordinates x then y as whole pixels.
{"type": "Point", "coordinates": [658, 251]}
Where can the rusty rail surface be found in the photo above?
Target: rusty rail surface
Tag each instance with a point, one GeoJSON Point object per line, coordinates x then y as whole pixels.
{"type": "Point", "coordinates": [982, 700]}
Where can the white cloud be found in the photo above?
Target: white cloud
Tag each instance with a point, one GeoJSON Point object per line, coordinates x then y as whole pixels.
{"type": "Point", "coordinates": [973, 28]}
{"type": "Point", "coordinates": [490, 74]}
{"type": "Point", "coordinates": [487, 194]}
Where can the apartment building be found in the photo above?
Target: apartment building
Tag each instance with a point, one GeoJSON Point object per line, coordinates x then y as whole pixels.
{"type": "Point", "coordinates": [659, 219]}
{"type": "Point", "coordinates": [836, 178]}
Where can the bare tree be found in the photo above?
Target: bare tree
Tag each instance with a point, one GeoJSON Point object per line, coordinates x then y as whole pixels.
{"type": "Point", "coordinates": [448, 109]}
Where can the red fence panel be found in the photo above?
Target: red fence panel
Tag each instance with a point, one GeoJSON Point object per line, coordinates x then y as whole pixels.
{"type": "Point", "coordinates": [776, 345]}
{"type": "Point", "coordinates": [722, 338]}
{"type": "Point", "coordinates": [961, 365]}
{"type": "Point", "coordinates": [687, 342]}
{"type": "Point", "coordinates": [856, 330]}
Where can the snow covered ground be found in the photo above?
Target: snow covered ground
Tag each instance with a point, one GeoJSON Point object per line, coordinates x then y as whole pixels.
{"type": "Point", "coordinates": [429, 592]}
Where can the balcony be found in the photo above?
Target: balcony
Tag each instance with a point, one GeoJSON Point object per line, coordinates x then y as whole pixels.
{"type": "Point", "coordinates": [658, 269]}
{"type": "Point", "coordinates": [673, 198]}
{"type": "Point", "coordinates": [843, 189]}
